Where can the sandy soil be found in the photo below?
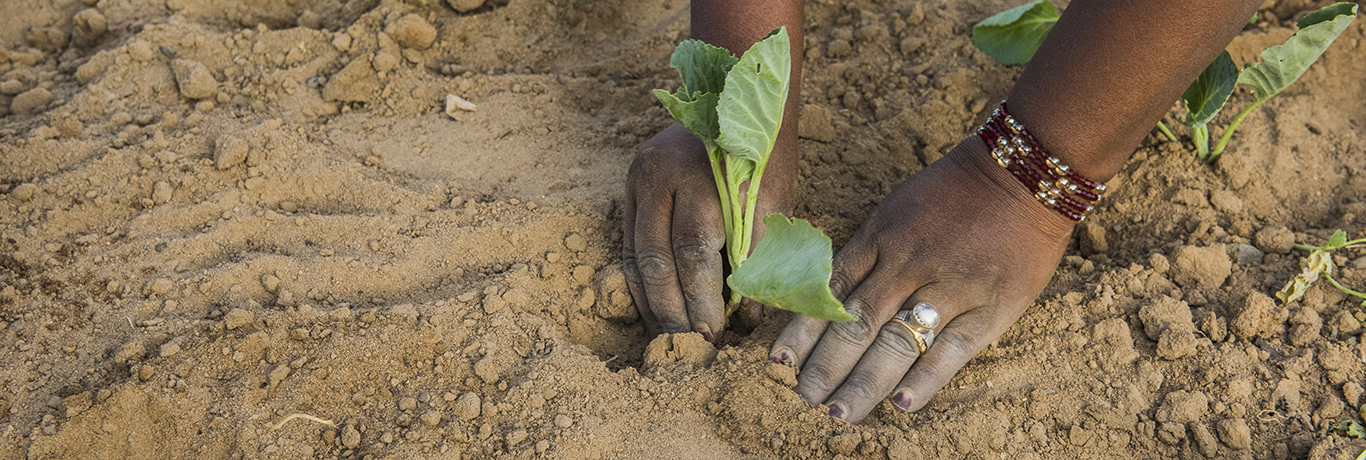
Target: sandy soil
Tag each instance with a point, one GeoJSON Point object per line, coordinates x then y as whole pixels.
{"type": "Point", "coordinates": [217, 214]}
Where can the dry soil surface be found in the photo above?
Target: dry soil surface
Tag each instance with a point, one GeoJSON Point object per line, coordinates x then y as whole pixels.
{"type": "Point", "coordinates": [215, 215]}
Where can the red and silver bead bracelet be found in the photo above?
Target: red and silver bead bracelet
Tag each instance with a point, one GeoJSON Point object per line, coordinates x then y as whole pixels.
{"type": "Point", "coordinates": [1051, 182]}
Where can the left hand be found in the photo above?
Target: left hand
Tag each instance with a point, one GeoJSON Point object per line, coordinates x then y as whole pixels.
{"type": "Point", "coordinates": [962, 235]}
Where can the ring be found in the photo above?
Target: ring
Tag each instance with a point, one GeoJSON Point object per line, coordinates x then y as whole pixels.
{"type": "Point", "coordinates": [923, 340]}
{"type": "Point", "coordinates": [921, 318]}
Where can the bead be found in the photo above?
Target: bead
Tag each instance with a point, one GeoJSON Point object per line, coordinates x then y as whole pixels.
{"type": "Point", "coordinates": [1052, 183]}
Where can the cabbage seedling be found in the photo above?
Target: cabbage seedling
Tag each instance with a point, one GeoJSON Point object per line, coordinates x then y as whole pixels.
{"type": "Point", "coordinates": [735, 106]}
{"type": "Point", "coordinates": [1012, 37]}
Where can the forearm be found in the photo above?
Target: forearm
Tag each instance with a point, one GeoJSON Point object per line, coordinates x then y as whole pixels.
{"type": "Point", "coordinates": [1110, 69]}
{"type": "Point", "coordinates": [737, 25]}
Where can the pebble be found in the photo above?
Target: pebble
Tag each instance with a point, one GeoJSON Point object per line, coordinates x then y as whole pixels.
{"type": "Point", "coordinates": [161, 192]}
{"type": "Point", "coordinates": [407, 404]}
{"type": "Point", "coordinates": [412, 31]}
{"type": "Point", "coordinates": [31, 100]}
{"type": "Point", "coordinates": [465, 6]}
{"type": "Point", "coordinates": [350, 437]}
{"type": "Point", "coordinates": [194, 79]}
{"type": "Point", "coordinates": [1247, 254]}
{"type": "Point", "coordinates": [563, 421]}
{"type": "Point", "coordinates": [229, 152]}
{"type": "Point", "coordinates": [431, 418]}
{"type": "Point", "coordinates": [238, 317]}
{"type": "Point", "coordinates": [1235, 433]}
{"type": "Point", "coordinates": [24, 192]}
{"type": "Point", "coordinates": [467, 406]}
{"type": "Point", "coordinates": [271, 283]}
{"type": "Point", "coordinates": [575, 242]}
{"type": "Point", "coordinates": [516, 437]}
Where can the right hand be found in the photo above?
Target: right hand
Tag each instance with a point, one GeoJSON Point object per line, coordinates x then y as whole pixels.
{"type": "Point", "coordinates": [673, 233]}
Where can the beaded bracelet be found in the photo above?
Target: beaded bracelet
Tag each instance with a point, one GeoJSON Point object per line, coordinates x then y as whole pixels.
{"type": "Point", "coordinates": [1052, 183]}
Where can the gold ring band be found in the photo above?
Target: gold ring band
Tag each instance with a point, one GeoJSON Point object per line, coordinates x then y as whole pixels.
{"type": "Point", "coordinates": [920, 342]}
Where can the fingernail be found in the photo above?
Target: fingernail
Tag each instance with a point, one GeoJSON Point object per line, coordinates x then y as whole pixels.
{"type": "Point", "coordinates": [783, 356]}
{"type": "Point", "coordinates": [705, 330]}
{"type": "Point", "coordinates": [837, 411]}
{"type": "Point", "coordinates": [902, 399]}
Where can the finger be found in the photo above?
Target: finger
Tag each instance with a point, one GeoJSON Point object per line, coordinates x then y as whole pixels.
{"type": "Point", "coordinates": [628, 255]}
{"type": "Point", "coordinates": [851, 265]}
{"type": "Point", "coordinates": [655, 261]}
{"type": "Point", "coordinates": [697, 239]}
{"type": "Point", "coordinates": [962, 338]}
{"type": "Point", "coordinates": [877, 373]}
{"type": "Point", "coordinates": [841, 345]}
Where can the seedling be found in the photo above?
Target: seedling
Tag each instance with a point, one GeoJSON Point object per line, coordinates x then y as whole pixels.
{"type": "Point", "coordinates": [1319, 264]}
{"type": "Point", "coordinates": [735, 106]}
{"type": "Point", "coordinates": [1012, 37]}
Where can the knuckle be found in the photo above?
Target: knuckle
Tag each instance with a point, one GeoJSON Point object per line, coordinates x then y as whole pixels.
{"type": "Point", "coordinates": [654, 268]}
{"type": "Point", "coordinates": [898, 341]}
{"type": "Point", "coordinates": [696, 248]}
{"type": "Point", "coordinates": [856, 331]}
{"type": "Point", "coordinates": [629, 270]}
{"type": "Point", "coordinates": [859, 386]}
{"type": "Point", "coordinates": [816, 375]}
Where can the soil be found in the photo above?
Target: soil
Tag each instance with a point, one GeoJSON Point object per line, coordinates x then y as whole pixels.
{"type": "Point", "coordinates": [215, 215]}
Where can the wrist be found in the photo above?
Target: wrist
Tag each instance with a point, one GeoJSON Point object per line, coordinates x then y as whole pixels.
{"type": "Point", "coordinates": [973, 158]}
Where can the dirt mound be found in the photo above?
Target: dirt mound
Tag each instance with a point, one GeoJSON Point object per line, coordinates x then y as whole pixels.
{"type": "Point", "coordinates": [217, 215]}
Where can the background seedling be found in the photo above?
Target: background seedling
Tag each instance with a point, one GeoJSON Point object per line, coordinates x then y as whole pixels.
{"type": "Point", "coordinates": [1319, 263]}
{"type": "Point", "coordinates": [735, 106]}
{"type": "Point", "coordinates": [1012, 37]}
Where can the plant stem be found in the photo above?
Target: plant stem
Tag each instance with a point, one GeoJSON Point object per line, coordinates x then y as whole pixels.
{"type": "Point", "coordinates": [751, 200]}
{"type": "Point", "coordinates": [715, 154]}
{"type": "Point", "coordinates": [1343, 289]}
{"type": "Point", "coordinates": [1166, 132]}
{"type": "Point", "coordinates": [1228, 133]}
{"type": "Point", "coordinates": [1200, 136]}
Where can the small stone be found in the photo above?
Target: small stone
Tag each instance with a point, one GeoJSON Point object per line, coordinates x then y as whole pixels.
{"type": "Point", "coordinates": [563, 421]}
{"type": "Point", "coordinates": [271, 283]}
{"type": "Point", "coordinates": [431, 418]}
{"type": "Point", "coordinates": [24, 192]}
{"type": "Point", "coordinates": [1260, 317]}
{"type": "Point", "coordinates": [194, 79]}
{"type": "Point", "coordinates": [350, 437]}
{"type": "Point", "coordinates": [575, 242]}
{"type": "Point", "coordinates": [1235, 433]}
{"type": "Point", "coordinates": [406, 404]}
{"type": "Point", "coordinates": [279, 374]}
{"type": "Point", "coordinates": [412, 31]}
{"type": "Point", "coordinates": [169, 349]}
{"type": "Point", "coordinates": [1203, 267]}
{"type": "Point", "coordinates": [465, 6]}
{"type": "Point", "coordinates": [1247, 254]}
{"type": "Point", "coordinates": [1204, 440]}
{"type": "Point", "coordinates": [30, 101]}
{"type": "Point", "coordinates": [844, 444]}
{"type": "Point", "coordinates": [161, 192]}
{"type": "Point", "coordinates": [467, 406]}
{"type": "Point", "coordinates": [238, 317]}
{"type": "Point", "coordinates": [160, 286]}
{"type": "Point", "coordinates": [229, 152]}
{"type": "Point", "coordinates": [1275, 239]}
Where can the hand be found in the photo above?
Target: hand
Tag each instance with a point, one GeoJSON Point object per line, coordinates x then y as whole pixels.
{"type": "Point", "coordinates": [961, 235]}
{"type": "Point", "coordinates": [673, 232]}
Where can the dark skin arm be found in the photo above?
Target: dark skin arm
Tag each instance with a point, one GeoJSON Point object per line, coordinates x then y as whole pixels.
{"type": "Point", "coordinates": [673, 230]}
{"type": "Point", "coordinates": [965, 236]}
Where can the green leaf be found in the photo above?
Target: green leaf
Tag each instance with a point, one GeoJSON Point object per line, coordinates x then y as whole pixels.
{"type": "Point", "coordinates": [1012, 36]}
{"type": "Point", "coordinates": [697, 115]}
{"type": "Point", "coordinates": [1207, 95]}
{"type": "Point", "coordinates": [790, 269]}
{"type": "Point", "coordinates": [751, 107]}
{"type": "Point", "coordinates": [1282, 64]}
{"type": "Point", "coordinates": [702, 66]}
{"type": "Point", "coordinates": [1339, 239]}
{"type": "Point", "coordinates": [1327, 13]}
